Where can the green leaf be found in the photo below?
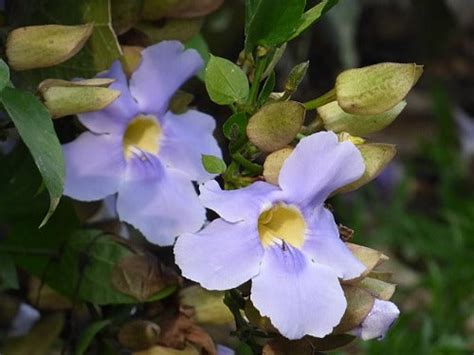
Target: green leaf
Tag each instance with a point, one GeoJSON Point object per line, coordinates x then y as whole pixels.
{"type": "Point", "coordinates": [213, 164]}
{"type": "Point", "coordinates": [89, 334]}
{"type": "Point", "coordinates": [4, 74]}
{"type": "Point", "coordinates": [101, 49]}
{"type": "Point", "coordinates": [199, 43]}
{"type": "Point", "coordinates": [270, 23]}
{"type": "Point", "coordinates": [8, 275]}
{"type": "Point", "coordinates": [313, 15]}
{"type": "Point", "coordinates": [35, 127]}
{"type": "Point", "coordinates": [234, 127]}
{"type": "Point", "coordinates": [226, 83]}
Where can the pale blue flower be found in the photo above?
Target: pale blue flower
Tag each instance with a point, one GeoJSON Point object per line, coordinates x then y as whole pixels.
{"type": "Point", "coordinates": [379, 320]}
{"type": "Point", "coordinates": [143, 152]}
{"type": "Point", "coordinates": [282, 238]}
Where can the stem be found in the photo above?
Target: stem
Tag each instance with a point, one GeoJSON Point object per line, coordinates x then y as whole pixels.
{"type": "Point", "coordinates": [247, 164]}
{"type": "Point", "coordinates": [259, 69]}
{"type": "Point", "coordinates": [28, 251]}
{"type": "Point", "coordinates": [315, 126]}
{"type": "Point", "coordinates": [322, 100]}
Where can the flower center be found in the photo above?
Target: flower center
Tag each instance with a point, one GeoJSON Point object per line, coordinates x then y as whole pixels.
{"type": "Point", "coordinates": [142, 133]}
{"type": "Point", "coordinates": [282, 222]}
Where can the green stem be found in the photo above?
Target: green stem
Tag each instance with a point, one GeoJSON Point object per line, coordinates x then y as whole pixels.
{"type": "Point", "coordinates": [28, 251]}
{"type": "Point", "coordinates": [247, 164]}
{"type": "Point", "coordinates": [322, 100]}
{"type": "Point", "coordinates": [259, 70]}
{"type": "Point", "coordinates": [315, 126]}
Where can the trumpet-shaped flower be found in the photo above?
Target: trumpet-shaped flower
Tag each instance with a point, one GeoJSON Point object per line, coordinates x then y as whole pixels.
{"type": "Point", "coordinates": [137, 148]}
{"type": "Point", "coordinates": [282, 238]}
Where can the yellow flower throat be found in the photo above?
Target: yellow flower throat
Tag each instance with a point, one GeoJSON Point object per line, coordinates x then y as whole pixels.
{"type": "Point", "coordinates": [282, 222]}
{"type": "Point", "coordinates": [143, 133]}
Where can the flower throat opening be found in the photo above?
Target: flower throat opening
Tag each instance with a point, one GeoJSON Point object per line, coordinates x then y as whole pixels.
{"type": "Point", "coordinates": [142, 133]}
{"type": "Point", "coordinates": [282, 222]}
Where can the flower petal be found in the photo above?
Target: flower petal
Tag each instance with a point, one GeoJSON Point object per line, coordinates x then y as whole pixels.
{"type": "Point", "coordinates": [318, 166]}
{"type": "Point", "coordinates": [299, 296]}
{"type": "Point", "coordinates": [324, 246]}
{"type": "Point", "coordinates": [160, 202]}
{"type": "Point", "coordinates": [94, 166]}
{"type": "Point", "coordinates": [379, 320]}
{"type": "Point", "coordinates": [164, 68]}
{"type": "Point", "coordinates": [186, 137]}
{"type": "Point", "coordinates": [221, 256]}
{"type": "Point", "coordinates": [237, 205]}
{"type": "Point", "coordinates": [115, 117]}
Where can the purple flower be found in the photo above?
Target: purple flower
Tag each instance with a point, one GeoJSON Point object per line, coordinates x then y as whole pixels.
{"type": "Point", "coordinates": [142, 151]}
{"type": "Point", "coordinates": [379, 320]}
{"type": "Point", "coordinates": [281, 238]}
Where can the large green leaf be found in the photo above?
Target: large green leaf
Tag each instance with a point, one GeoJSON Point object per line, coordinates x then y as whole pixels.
{"type": "Point", "coordinates": [4, 74]}
{"type": "Point", "coordinates": [271, 22]}
{"type": "Point", "coordinates": [99, 52]}
{"type": "Point", "coordinates": [226, 83]}
{"type": "Point", "coordinates": [35, 127]}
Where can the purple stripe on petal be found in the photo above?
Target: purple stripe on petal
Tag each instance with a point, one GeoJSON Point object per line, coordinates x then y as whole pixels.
{"type": "Point", "coordinates": [164, 68]}
{"type": "Point", "coordinates": [158, 201]}
{"type": "Point", "coordinates": [185, 138]}
{"type": "Point", "coordinates": [299, 296]}
{"type": "Point", "coordinates": [241, 204]}
{"type": "Point", "coordinates": [318, 166]}
{"type": "Point", "coordinates": [221, 256]}
{"type": "Point", "coordinates": [115, 117]}
{"type": "Point", "coordinates": [94, 166]}
{"type": "Point", "coordinates": [323, 245]}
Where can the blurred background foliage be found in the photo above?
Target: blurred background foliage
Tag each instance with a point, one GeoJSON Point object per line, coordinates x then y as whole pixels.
{"type": "Point", "coordinates": [420, 211]}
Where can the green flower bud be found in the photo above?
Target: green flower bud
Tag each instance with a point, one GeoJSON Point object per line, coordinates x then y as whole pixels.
{"type": "Point", "coordinates": [295, 77]}
{"type": "Point", "coordinates": [337, 120]}
{"type": "Point", "coordinates": [273, 164]}
{"type": "Point", "coordinates": [376, 157]}
{"type": "Point", "coordinates": [63, 98]}
{"type": "Point", "coordinates": [359, 304]}
{"type": "Point", "coordinates": [139, 334]}
{"type": "Point", "coordinates": [378, 288]}
{"type": "Point", "coordinates": [208, 306]}
{"type": "Point", "coordinates": [131, 59]}
{"type": "Point", "coordinates": [44, 46]}
{"type": "Point", "coordinates": [377, 88]}
{"type": "Point", "coordinates": [275, 125]}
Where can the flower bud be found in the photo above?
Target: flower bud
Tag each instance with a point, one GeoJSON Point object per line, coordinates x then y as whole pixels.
{"type": "Point", "coordinates": [208, 306]}
{"type": "Point", "coordinates": [275, 125]}
{"type": "Point", "coordinates": [337, 120]}
{"type": "Point", "coordinates": [138, 334]}
{"type": "Point", "coordinates": [344, 136]}
{"type": "Point", "coordinates": [45, 46]}
{"type": "Point", "coordinates": [359, 304]}
{"type": "Point", "coordinates": [132, 58]}
{"type": "Point", "coordinates": [377, 88]}
{"type": "Point", "coordinates": [273, 164]}
{"type": "Point", "coordinates": [379, 320]}
{"type": "Point", "coordinates": [63, 98]}
{"type": "Point", "coordinates": [379, 288]}
{"type": "Point", "coordinates": [376, 157]}
{"type": "Point", "coordinates": [295, 77]}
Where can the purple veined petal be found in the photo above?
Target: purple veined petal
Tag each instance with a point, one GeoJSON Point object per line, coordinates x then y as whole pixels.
{"type": "Point", "coordinates": [221, 256]}
{"type": "Point", "coordinates": [299, 296]}
{"type": "Point", "coordinates": [158, 201]}
{"type": "Point", "coordinates": [241, 204]}
{"type": "Point", "coordinates": [115, 117]}
{"type": "Point", "coordinates": [323, 245]}
{"type": "Point", "coordinates": [186, 138]}
{"type": "Point", "coordinates": [94, 166]}
{"type": "Point", "coordinates": [318, 166]}
{"type": "Point", "coordinates": [164, 68]}
{"type": "Point", "coordinates": [379, 320]}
